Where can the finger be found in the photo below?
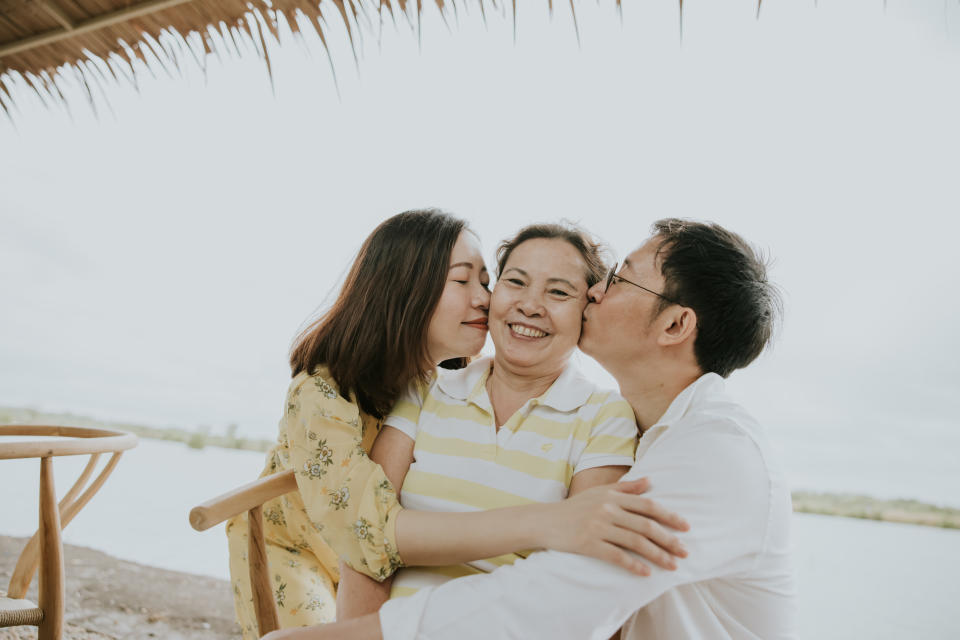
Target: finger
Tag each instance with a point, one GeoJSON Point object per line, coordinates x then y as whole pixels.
{"type": "Point", "coordinates": [615, 555]}
{"type": "Point", "coordinates": [652, 531]}
{"type": "Point", "coordinates": [642, 546]}
{"type": "Point", "coordinates": [652, 509]}
{"type": "Point", "coordinates": [633, 486]}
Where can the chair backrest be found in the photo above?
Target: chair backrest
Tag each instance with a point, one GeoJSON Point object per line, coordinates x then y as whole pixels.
{"type": "Point", "coordinates": [250, 498]}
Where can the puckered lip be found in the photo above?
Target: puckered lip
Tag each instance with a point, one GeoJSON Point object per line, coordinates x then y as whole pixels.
{"type": "Point", "coordinates": [528, 326]}
{"type": "Point", "coordinates": [477, 323]}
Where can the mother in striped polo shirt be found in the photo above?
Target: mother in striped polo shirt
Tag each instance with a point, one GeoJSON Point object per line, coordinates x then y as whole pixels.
{"type": "Point", "coordinates": [522, 427]}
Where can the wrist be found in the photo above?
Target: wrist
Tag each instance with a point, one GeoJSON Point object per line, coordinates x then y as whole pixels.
{"type": "Point", "coordinates": [535, 529]}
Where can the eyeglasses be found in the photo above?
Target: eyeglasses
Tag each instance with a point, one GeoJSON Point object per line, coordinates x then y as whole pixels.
{"type": "Point", "coordinates": [613, 277]}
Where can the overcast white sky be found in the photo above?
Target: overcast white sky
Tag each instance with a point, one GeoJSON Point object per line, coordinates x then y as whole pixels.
{"type": "Point", "coordinates": [156, 262]}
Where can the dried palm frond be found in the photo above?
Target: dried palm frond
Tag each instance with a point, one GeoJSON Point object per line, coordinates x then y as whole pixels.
{"type": "Point", "coordinates": [43, 42]}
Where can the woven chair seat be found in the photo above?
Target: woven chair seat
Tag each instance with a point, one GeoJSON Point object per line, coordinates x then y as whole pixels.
{"type": "Point", "coordinates": [14, 613]}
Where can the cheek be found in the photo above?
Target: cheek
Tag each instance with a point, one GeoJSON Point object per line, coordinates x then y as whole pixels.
{"type": "Point", "coordinates": [447, 312]}
{"type": "Point", "coordinates": [569, 318]}
{"type": "Point", "coordinates": [499, 303]}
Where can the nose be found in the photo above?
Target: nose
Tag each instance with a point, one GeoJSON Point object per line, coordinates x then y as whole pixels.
{"type": "Point", "coordinates": [596, 292]}
{"type": "Point", "coordinates": [530, 304]}
{"type": "Point", "coordinates": [481, 298]}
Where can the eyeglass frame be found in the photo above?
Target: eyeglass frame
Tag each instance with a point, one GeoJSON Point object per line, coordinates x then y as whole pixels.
{"type": "Point", "coordinates": [613, 275]}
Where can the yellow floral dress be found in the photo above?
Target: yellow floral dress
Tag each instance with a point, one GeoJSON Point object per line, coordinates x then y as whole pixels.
{"type": "Point", "coordinates": [345, 508]}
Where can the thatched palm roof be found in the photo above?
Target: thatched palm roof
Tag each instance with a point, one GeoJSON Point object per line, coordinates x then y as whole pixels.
{"type": "Point", "coordinates": [98, 40]}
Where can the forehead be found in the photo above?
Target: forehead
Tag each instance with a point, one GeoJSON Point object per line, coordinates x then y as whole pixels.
{"type": "Point", "coordinates": [466, 248]}
{"type": "Point", "coordinates": [550, 257]}
{"type": "Point", "coordinates": [643, 260]}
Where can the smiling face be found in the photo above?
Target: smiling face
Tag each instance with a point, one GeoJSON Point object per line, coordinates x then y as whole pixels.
{"type": "Point", "coordinates": [458, 326]}
{"type": "Point", "coordinates": [617, 323]}
{"type": "Point", "coordinates": [536, 307]}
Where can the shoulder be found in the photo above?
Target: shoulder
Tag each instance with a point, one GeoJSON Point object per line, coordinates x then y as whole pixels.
{"type": "Point", "coordinates": [727, 428]}
{"type": "Point", "coordinates": [718, 451]}
{"type": "Point", "coordinates": [607, 404]}
{"type": "Point", "coordinates": [316, 395]}
{"type": "Point", "coordinates": [460, 383]}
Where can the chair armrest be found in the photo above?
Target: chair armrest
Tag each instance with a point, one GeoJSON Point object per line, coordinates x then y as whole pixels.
{"type": "Point", "coordinates": [213, 512]}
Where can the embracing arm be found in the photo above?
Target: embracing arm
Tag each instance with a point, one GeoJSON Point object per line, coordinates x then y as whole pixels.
{"type": "Point", "coordinates": [427, 538]}
{"type": "Point", "coordinates": [346, 495]}
{"type": "Point", "coordinates": [592, 524]}
{"type": "Point", "coordinates": [719, 478]}
{"type": "Point", "coordinates": [357, 594]}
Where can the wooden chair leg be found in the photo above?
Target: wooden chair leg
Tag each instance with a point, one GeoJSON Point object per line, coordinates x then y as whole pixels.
{"type": "Point", "coordinates": [69, 507]}
{"type": "Point", "coordinates": [52, 592]}
{"type": "Point", "coordinates": [263, 603]}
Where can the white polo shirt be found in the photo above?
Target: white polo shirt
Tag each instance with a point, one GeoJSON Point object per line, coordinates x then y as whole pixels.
{"type": "Point", "coordinates": [708, 460]}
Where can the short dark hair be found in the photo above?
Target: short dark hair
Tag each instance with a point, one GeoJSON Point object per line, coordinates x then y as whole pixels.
{"type": "Point", "coordinates": [593, 252]}
{"type": "Point", "coordinates": [374, 337]}
{"type": "Point", "coordinates": [723, 279]}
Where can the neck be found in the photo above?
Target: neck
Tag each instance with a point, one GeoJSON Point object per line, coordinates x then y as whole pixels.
{"type": "Point", "coordinates": [651, 387]}
{"type": "Point", "coordinates": [509, 387]}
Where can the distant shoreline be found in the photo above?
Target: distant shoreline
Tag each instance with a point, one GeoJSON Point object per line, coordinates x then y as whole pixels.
{"type": "Point", "coordinates": [831, 504]}
{"type": "Point", "coordinates": [193, 439]}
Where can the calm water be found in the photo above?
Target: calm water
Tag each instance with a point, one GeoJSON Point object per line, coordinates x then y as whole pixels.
{"type": "Point", "coordinates": [856, 578]}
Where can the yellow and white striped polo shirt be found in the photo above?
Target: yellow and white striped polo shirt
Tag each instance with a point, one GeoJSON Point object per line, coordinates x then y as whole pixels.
{"type": "Point", "coordinates": [463, 463]}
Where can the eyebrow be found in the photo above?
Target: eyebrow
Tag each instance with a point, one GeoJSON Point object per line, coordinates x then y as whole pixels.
{"type": "Point", "coordinates": [564, 281]}
{"type": "Point", "coordinates": [549, 280]}
{"type": "Point", "coordinates": [468, 265]}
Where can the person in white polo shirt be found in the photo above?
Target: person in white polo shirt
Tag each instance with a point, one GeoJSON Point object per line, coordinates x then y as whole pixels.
{"type": "Point", "coordinates": [685, 310]}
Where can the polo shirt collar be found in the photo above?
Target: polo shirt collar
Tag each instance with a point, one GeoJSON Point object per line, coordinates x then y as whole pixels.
{"type": "Point", "coordinates": [703, 386]}
{"type": "Point", "coordinates": [570, 391]}
{"type": "Point", "coordinates": [464, 384]}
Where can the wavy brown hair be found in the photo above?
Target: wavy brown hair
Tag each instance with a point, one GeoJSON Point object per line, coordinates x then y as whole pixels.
{"type": "Point", "coordinates": [374, 337]}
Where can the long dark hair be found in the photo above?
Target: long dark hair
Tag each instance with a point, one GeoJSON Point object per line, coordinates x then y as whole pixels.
{"type": "Point", "coordinates": [374, 337]}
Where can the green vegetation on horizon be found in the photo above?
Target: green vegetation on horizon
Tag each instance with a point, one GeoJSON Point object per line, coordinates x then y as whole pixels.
{"type": "Point", "coordinates": [831, 504]}
{"type": "Point", "coordinates": [865, 507]}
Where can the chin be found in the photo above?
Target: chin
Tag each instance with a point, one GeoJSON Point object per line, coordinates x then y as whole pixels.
{"type": "Point", "coordinates": [584, 344]}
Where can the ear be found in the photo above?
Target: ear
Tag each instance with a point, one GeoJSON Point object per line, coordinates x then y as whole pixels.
{"type": "Point", "coordinates": [678, 325]}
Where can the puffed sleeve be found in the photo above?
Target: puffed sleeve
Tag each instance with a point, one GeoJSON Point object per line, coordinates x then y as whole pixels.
{"type": "Point", "coordinates": [612, 440]}
{"type": "Point", "coordinates": [346, 494]}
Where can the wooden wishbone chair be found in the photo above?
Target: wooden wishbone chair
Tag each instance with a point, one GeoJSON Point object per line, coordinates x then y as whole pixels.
{"type": "Point", "coordinates": [45, 548]}
{"type": "Point", "coordinates": [250, 498]}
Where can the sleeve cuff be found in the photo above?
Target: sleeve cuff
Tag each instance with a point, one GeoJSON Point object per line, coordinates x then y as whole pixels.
{"type": "Point", "coordinates": [408, 427]}
{"type": "Point", "coordinates": [603, 461]}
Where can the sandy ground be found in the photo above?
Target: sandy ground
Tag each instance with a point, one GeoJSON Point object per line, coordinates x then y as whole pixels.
{"type": "Point", "coordinates": [109, 598]}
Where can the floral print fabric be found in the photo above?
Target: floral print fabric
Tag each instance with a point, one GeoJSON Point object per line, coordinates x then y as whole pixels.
{"type": "Point", "coordinates": [345, 508]}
